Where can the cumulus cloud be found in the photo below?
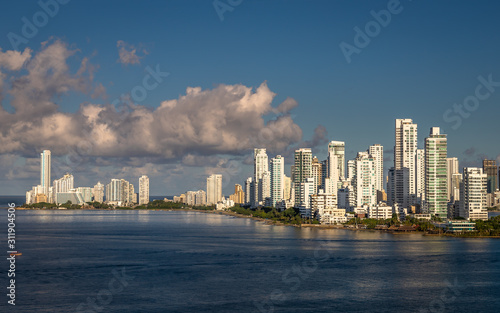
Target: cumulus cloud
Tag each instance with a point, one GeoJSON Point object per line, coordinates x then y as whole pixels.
{"type": "Point", "coordinates": [203, 123]}
{"type": "Point", "coordinates": [128, 53]}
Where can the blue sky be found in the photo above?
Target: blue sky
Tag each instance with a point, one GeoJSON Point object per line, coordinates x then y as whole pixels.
{"type": "Point", "coordinates": [428, 57]}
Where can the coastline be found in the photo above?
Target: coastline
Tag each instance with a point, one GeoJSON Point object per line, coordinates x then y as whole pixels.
{"type": "Point", "coordinates": [278, 223]}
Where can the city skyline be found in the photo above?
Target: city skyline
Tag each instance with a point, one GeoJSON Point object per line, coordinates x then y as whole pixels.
{"type": "Point", "coordinates": [290, 95]}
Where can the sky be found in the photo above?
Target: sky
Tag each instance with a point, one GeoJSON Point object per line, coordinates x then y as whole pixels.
{"type": "Point", "coordinates": [179, 90]}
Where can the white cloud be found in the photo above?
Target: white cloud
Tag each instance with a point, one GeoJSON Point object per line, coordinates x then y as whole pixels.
{"type": "Point", "coordinates": [128, 53]}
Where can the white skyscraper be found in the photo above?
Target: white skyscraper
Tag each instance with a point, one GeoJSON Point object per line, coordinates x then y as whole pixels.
{"type": "Point", "coordinates": [45, 160]}
{"type": "Point", "coordinates": [214, 189]}
{"type": "Point", "coordinates": [451, 169]}
{"type": "Point", "coordinates": [143, 190]}
{"type": "Point", "coordinates": [260, 166]}
{"type": "Point", "coordinates": [364, 180]}
{"type": "Point", "coordinates": [473, 194]}
{"type": "Point", "coordinates": [338, 148]}
{"type": "Point", "coordinates": [377, 152]}
{"type": "Point", "coordinates": [420, 175]}
{"type": "Point", "coordinates": [405, 150]}
{"type": "Point", "coordinates": [277, 179]}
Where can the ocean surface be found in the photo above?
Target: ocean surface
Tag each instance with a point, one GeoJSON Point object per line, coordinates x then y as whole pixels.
{"type": "Point", "coordinates": [158, 261]}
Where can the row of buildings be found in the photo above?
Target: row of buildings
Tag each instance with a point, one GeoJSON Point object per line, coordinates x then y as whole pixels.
{"type": "Point", "coordinates": [422, 181]}
{"type": "Point", "coordinates": [62, 190]}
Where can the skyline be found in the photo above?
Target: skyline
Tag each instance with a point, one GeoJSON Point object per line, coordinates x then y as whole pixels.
{"type": "Point", "coordinates": [310, 86]}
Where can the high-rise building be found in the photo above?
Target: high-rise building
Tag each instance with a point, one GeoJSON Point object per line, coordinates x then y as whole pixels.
{"type": "Point", "coordinates": [490, 169]}
{"type": "Point", "coordinates": [45, 163]}
{"type": "Point", "coordinates": [238, 196]}
{"type": "Point", "coordinates": [260, 166]}
{"type": "Point", "coordinates": [364, 180]}
{"type": "Point", "coordinates": [305, 193]}
{"type": "Point", "coordinates": [404, 162]}
{"type": "Point", "coordinates": [277, 177]}
{"type": "Point", "coordinates": [302, 170]}
{"type": "Point", "coordinates": [316, 173]}
{"type": "Point", "coordinates": [473, 194]}
{"type": "Point", "coordinates": [337, 148]}
{"type": "Point", "coordinates": [436, 188]}
{"type": "Point", "coordinates": [248, 191]}
{"type": "Point", "coordinates": [143, 190]}
{"type": "Point", "coordinates": [420, 175]}
{"type": "Point", "coordinates": [377, 153]}
{"type": "Point", "coordinates": [451, 169]}
{"type": "Point", "coordinates": [287, 188]}
{"type": "Point", "coordinates": [214, 189]}
{"type": "Point", "coordinates": [98, 192]}
{"type": "Point", "coordinates": [114, 191]}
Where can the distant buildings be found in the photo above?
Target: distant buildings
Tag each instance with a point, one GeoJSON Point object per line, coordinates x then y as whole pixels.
{"type": "Point", "coordinates": [405, 150]}
{"type": "Point", "coordinates": [120, 192]}
{"type": "Point", "coordinates": [143, 190]}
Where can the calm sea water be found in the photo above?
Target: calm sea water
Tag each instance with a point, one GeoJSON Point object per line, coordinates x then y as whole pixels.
{"type": "Point", "coordinates": [197, 262]}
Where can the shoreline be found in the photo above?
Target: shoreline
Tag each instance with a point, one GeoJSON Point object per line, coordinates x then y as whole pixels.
{"type": "Point", "coordinates": [278, 223]}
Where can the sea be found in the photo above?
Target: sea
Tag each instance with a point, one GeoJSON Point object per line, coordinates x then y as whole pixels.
{"type": "Point", "coordinates": [171, 261]}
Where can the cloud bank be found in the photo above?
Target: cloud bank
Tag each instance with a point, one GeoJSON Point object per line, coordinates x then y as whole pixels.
{"type": "Point", "coordinates": [225, 120]}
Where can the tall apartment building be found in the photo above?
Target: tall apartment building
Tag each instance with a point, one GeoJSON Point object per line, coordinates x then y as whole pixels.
{"type": "Point", "coordinates": [302, 170]}
{"type": "Point", "coordinates": [249, 194]}
{"type": "Point", "coordinates": [377, 153]}
{"type": "Point", "coordinates": [214, 189]}
{"type": "Point", "coordinates": [473, 194]}
{"type": "Point", "coordinates": [490, 169]}
{"type": "Point", "coordinates": [277, 179]}
{"type": "Point", "coordinates": [436, 187]}
{"type": "Point", "coordinates": [316, 173]}
{"type": "Point", "coordinates": [365, 180]}
{"type": "Point", "coordinates": [143, 190]}
{"type": "Point", "coordinates": [45, 164]}
{"type": "Point", "coordinates": [420, 175]}
{"type": "Point", "coordinates": [260, 167]}
{"type": "Point", "coordinates": [337, 148]}
{"type": "Point", "coordinates": [451, 169]}
{"type": "Point", "coordinates": [405, 149]}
